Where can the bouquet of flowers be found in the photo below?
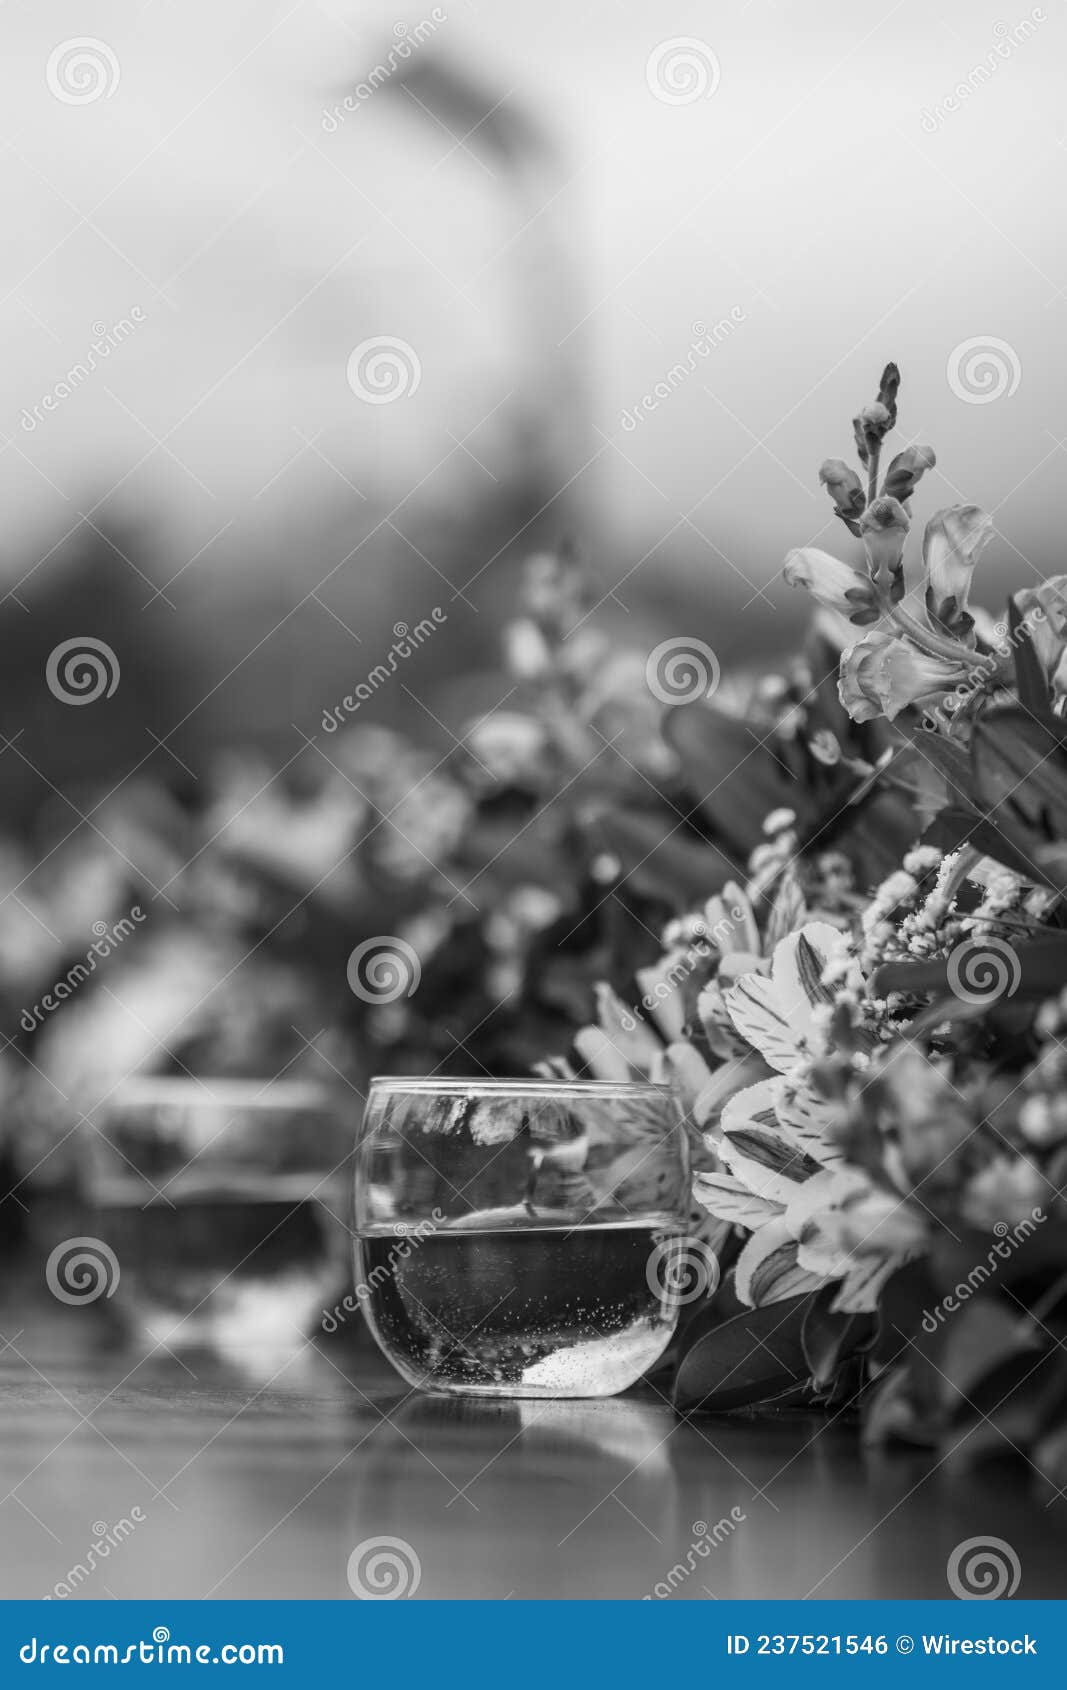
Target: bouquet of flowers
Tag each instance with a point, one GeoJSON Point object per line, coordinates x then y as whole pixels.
{"type": "Point", "coordinates": [863, 1012]}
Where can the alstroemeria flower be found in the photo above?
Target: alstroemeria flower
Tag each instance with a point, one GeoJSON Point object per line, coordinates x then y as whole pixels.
{"type": "Point", "coordinates": [952, 544]}
{"type": "Point", "coordinates": [882, 674]}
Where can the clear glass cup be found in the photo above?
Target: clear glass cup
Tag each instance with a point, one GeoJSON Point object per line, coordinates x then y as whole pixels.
{"type": "Point", "coordinates": [223, 1204]}
{"type": "Point", "coordinates": [521, 1238]}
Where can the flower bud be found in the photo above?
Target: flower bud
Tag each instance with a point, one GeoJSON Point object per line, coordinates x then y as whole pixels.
{"type": "Point", "coordinates": [845, 489]}
{"type": "Point", "coordinates": [906, 469]}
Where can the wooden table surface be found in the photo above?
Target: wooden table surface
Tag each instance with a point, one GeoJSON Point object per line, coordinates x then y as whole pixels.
{"type": "Point", "coordinates": [261, 1485]}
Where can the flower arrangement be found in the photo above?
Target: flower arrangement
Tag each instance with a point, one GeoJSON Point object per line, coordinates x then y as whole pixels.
{"type": "Point", "coordinates": [864, 1018]}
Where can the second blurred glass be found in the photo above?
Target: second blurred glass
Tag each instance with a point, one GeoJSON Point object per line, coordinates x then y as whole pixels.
{"type": "Point", "coordinates": [224, 1203]}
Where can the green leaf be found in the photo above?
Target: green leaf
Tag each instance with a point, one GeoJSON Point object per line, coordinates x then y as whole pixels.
{"type": "Point", "coordinates": [753, 1358]}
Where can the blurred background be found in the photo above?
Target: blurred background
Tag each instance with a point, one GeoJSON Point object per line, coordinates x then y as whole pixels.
{"type": "Point", "coordinates": [319, 321]}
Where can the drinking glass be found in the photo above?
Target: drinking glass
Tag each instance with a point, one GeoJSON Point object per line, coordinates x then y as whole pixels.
{"type": "Point", "coordinates": [222, 1204]}
{"type": "Point", "coordinates": [521, 1238]}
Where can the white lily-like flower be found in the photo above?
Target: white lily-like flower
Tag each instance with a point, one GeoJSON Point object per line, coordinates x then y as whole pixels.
{"type": "Point", "coordinates": [812, 1219]}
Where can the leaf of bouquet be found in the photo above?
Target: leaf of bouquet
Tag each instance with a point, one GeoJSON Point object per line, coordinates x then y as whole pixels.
{"type": "Point", "coordinates": [1020, 761]}
{"type": "Point", "coordinates": [732, 777]}
{"type": "Point", "coordinates": [1030, 679]}
{"type": "Point", "coordinates": [981, 1338]}
{"type": "Point", "coordinates": [662, 859]}
{"type": "Point", "coordinates": [958, 825]}
{"type": "Point", "coordinates": [751, 1359]}
{"type": "Point", "coordinates": [1042, 970]}
{"type": "Point", "coordinates": [830, 1338]}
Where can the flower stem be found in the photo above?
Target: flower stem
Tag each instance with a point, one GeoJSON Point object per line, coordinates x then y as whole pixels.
{"type": "Point", "coordinates": [872, 472]}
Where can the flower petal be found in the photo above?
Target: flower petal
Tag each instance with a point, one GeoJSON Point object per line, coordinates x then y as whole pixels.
{"type": "Point", "coordinates": [775, 1015]}
{"type": "Point", "coordinates": [884, 526]}
{"type": "Point", "coordinates": [833, 584]}
{"type": "Point", "coordinates": [953, 541]}
{"type": "Point", "coordinates": [881, 675]}
{"type": "Point", "coordinates": [731, 1200]}
{"type": "Point", "coordinates": [767, 1270]}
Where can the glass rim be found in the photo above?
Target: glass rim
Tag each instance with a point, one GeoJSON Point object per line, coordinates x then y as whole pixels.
{"type": "Point", "coordinates": [518, 1087]}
